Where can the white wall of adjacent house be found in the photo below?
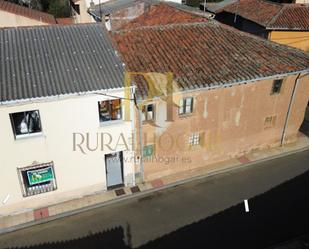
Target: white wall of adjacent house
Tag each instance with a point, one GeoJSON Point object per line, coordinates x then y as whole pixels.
{"type": "Point", "coordinates": [83, 17]}
{"type": "Point", "coordinates": [77, 172]}
{"type": "Point", "coordinates": [301, 1]}
{"type": "Point", "coordinates": [8, 19]}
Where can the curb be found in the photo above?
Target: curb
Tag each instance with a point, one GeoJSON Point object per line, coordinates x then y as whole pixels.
{"type": "Point", "coordinates": [148, 191]}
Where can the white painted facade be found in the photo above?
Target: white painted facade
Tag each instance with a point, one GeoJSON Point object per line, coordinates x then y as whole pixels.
{"type": "Point", "coordinates": [76, 173]}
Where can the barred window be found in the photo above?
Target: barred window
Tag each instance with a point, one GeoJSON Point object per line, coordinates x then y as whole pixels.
{"type": "Point", "coordinates": [194, 139]}
{"type": "Point", "coordinates": [37, 179]}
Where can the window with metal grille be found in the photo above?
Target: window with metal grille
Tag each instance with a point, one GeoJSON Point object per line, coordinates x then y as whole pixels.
{"type": "Point", "coordinates": [194, 139]}
{"type": "Point", "coordinates": [37, 179]}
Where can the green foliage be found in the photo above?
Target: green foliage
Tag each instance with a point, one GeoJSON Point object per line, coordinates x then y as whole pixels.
{"type": "Point", "coordinates": [59, 8]}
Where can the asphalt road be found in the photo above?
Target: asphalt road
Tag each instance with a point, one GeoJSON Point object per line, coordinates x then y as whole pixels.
{"type": "Point", "coordinates": [192, 209]}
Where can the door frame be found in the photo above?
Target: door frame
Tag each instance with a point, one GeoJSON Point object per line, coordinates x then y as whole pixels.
{"type": "Point", "coordinates": [121, 165]}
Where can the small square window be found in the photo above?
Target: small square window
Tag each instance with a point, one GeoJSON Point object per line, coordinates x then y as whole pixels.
{"type": "Point", "coordinates": [185, 106]}
{"type": "Point", "coordinates": [37, 179]}
{"type": "Point", "coordinates": [26, 123]}
{"type": "Point", "coordinates": [110, 110]}
{"type": "Point", "coordinates": [194, 139]}
{"type": "Point", "coordinates": [277, 84]}
{"type": "Point", "coordinates": [148, 112]}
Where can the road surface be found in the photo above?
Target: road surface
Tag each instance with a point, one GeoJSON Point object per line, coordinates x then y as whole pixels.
{"type": "Point", "coordinates": [171, 212]}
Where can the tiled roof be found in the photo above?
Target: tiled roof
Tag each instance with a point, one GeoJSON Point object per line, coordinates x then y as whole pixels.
{"type": "Point", "coordinates": [27, 12]}
{"type": "Point", "coordinates": [272, 15]}
{"type": "Point", "coordinates": [205, 54]}
{"type": "Point", "coordinates": [258, 11]}
{"type": "Point", "coordinates": [56, 60]}
{"type": "Point", "coordinates": [163, 14]}
{"type": "Point", "coordinates": [291, 17]}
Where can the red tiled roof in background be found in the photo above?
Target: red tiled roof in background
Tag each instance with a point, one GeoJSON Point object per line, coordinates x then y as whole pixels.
{"type": "Point", "coordinates": [292, 17]}
{"type": "Point", "coordinates": [27, 12]}
{"type": "Point", "coordinates": [258, 11]}
{"type": "Point", "coordinates": [205, 54]}
{"type": "Point", "coordinates": [272, 15]}
{"type": "Point", "coordinates": [162, 14]}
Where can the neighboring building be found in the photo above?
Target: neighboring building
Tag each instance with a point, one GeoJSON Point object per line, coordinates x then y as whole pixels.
{"type": "Point", "coordinates": [61, 95]}
{"type": "Point", "coordinates": [14, 15]}
{"type": "Point", "coordinates": [283, 23]}
{"type": "Point", "coordinates": [233, 93]}
{"type": "Point", "coordinates": [116, 14]}
{"type": "Point", "coordinates": [80, 13]}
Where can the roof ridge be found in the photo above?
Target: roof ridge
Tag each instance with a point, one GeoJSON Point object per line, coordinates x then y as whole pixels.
{"type": "Point", "coordinates": [275, 17]}
{"type": "Point", "coordinates": [166, 26]}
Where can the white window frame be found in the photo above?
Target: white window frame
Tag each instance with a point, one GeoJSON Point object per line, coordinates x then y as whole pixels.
{"type": "Point", "coordinates": [146, 114]}
{"type": "Point", "coordinates": [185, 106]}
{"type": "Point", "coordinates": [28, 134]}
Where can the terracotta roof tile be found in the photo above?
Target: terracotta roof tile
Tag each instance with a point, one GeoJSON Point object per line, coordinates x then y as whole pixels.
{"type": "Point", "coordinates": [27, 12]}
{"type": "Point", "coordinates": [205, 54]}
{"type": "Point", "coordinates": [161, 14]}
{"type": "Point", "coordinates": [258, 11]}
{"type": "Point", "coordinates": [272, 15]}
{"type": "Point", "coordinates": [292, 17]}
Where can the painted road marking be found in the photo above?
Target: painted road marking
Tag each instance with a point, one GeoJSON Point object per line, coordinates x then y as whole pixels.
{"type": "Point", "coordinates": [6, 199]}
{"type": "Point", "coordinates": [246, 206]}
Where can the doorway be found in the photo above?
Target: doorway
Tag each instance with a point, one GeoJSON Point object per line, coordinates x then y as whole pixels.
{"type": "Point", "coordinates": [114, 170]}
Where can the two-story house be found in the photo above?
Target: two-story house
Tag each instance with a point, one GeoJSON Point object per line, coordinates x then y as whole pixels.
{"type": "Point", "coordinates": [208, 92]}
{"type": "Point", "coordinates": [62, 110]}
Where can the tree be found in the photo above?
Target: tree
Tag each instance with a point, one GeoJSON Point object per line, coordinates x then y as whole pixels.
{"type": "Point", "coordinates": [59, 8]}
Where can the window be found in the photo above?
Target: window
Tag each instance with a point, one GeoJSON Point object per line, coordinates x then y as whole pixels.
{"type": "Point", "coordinates": [277, 86]}
{"type": "Point", "coordinates": [270, 121]}
{"type": "Point", "coordinates": [186, 106]}
{"type": "Point", "coordinates": [194, 139]}
{"type": "Point", "coordinates": [37, 179]}
{"type": "Point", "coordinates": [110, 110]}
{"type": "Point", "coordinates": [26, 123]}
{"type": "Point", "coordinates": [148, 112]}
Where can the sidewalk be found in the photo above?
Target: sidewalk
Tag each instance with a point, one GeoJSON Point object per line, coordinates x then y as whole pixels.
{"type": "Point", "coordinates": [19, 218]}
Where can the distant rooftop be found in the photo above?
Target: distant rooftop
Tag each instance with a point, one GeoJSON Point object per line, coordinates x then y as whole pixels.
{"type": "Point", "coordinates": [27, 12]}
{"type": "Point", "coordinates": [162, 14]}
{"type": "Point", "coordinates": [271, 15]}
{"type": "Point", "coordinates": [43, 61]}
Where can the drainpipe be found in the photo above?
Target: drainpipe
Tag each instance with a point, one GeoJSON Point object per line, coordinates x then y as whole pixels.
{"type": "Point", "coordinates": [298, 78]}
{"type": "Point", "coordinates": [139, 117]}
